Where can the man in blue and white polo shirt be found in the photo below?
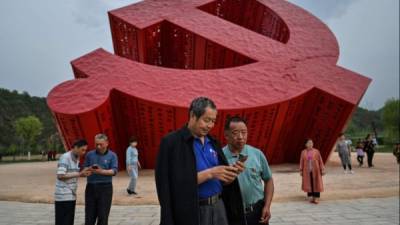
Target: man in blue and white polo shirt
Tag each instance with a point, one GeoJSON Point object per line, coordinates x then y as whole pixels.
{"type": "Point", "coordinates": [67, 183]}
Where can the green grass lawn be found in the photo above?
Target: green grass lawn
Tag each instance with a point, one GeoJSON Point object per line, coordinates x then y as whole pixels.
{"type": "Point", "coordinates": [23, 158]}
{"type": "Point", "coordinates": [39, 158]}
{"type": "Point", "coordinates": [384, 148]}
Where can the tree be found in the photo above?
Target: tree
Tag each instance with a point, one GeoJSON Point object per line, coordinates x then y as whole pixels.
{"type": "Point", "coordinates": [361, 122]}
{"type": "Point", "coordinates": [12, 150]}
{"type": "Point", "coordinates": [28, 129]}
{"type": "Point", "coordinates": [14, 105]}
{"type": "Point", "coordinates": [54, 142]}
{"type": "Point", "coordinates": [391, 119]}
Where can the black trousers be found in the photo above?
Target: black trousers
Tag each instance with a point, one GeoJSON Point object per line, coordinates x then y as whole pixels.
{"type": "Point", "coordinates": [344, 166]}
{"type": "Point", "coordinates": [313, 193]}
{"type": "Point", "coordinates": [370, 156]}
{"type": "Point", "coordinates": [65, 212]}
{"type": "Point", "coordinates": [254, 217]}
{"type": "Point", "coordinates": [98, 198]}
{"type": "Point", "coordinates": [360, 160]}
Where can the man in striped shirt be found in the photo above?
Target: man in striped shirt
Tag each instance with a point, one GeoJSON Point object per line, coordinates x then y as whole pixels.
{"type": "Point", "coordinates": [67, 183]}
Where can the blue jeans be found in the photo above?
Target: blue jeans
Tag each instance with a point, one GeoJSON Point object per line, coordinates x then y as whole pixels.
{"type": "Point", "coordinates": [133, 173]}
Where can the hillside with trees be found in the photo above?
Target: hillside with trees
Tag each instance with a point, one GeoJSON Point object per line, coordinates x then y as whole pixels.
{"type": "Point", "coordinates": [26, 124]}
{"type": "Point", "coordinates": [17, 113]}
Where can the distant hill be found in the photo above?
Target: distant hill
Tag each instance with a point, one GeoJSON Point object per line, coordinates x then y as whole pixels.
{"type": "Point", "coordinates": [14, 105]}
{"type": "Point", "coordinates": [363, 121]}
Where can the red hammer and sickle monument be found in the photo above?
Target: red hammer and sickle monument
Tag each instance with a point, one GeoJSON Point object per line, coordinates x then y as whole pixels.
{"type": "Point", "coordinates": [267, 60]}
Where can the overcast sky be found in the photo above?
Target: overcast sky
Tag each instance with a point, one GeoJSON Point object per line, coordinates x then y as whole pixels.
{"type": "Point", "coordinates": [38, 39]}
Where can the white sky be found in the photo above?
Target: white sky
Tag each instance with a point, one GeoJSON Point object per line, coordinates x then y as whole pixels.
{"type": "Point", "coordinates": [38, 39]}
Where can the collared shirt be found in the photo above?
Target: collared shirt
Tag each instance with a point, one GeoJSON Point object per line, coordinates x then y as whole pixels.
{"type": "Point", "coordinates": [176, 182]}
{"type": "Point", "coordinates": [206, 157]}
{"type": "Point", "coordinates": [66, 189]}
{"type": "Point", "coordinates": [132, 156]}
{"type": "Point", "coordinates": [251, 179]}
{"type": "Point", "coordinates": [106, 161]}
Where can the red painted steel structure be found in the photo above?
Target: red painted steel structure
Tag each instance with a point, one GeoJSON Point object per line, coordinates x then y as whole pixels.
{"type": "Point", "coordinates": [267, 60]}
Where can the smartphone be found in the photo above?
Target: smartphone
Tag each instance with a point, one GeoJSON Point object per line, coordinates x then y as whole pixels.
{"type": "Point", "coordinates": [95, 167]}
{"type": "Point", "coordinates": [242, 158]}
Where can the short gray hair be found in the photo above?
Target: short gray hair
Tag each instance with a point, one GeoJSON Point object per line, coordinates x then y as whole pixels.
{"type": "Point", "coordinates": [199, 105]}
{"type": "Point", "coordinates": [101, 137]}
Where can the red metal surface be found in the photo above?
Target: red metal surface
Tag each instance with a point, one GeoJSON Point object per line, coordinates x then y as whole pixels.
{"type": "Point", "coordinates": [269, 61]}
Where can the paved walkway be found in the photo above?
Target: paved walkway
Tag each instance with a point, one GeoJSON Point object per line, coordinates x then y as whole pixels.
{"type": "Point", "coordinates": [378, 211]}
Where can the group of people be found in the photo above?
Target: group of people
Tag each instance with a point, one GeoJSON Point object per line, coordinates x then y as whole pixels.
{"type": "Point", "coordinates": [100, 165]}
{"type": "Point", "coordinates": [201, 183]}
{"type": "Point", "coordinates": [198, 181]}
{"type": "Point", "coordinates": [367, 147]}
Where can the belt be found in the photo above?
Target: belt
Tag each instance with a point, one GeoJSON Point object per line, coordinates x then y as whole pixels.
{"type": "Point", "coordinates": [210, 200]}
{"type": "Point", "coordinates": [100, 184]}
{"type": "Point", "coordinates": [253, 207]}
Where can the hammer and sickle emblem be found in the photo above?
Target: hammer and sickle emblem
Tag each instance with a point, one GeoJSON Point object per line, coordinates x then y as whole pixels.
{"type": "Point", "coordinates": [267, 60]}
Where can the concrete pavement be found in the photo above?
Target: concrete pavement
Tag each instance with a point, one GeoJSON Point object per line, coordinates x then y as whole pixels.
{"type": "Point", "coordinates": [370, 211]}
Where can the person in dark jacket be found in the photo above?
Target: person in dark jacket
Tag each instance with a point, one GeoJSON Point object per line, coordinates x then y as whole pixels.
{"type": "Point", "coordinates": [195, 184]}
{"type": "Point", "coordinates": [369, 148]}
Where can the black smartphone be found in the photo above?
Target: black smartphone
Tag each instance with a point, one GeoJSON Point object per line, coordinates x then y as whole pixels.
{"type": "Point", "coordinates": [95, 167]}
{"type": "Point", "coordinates": [242, 158]}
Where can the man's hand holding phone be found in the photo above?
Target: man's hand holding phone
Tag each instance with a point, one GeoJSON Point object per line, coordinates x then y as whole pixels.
{"type": "Point", "coordinates": [226, 174]}
{"type": "Point", "coordinates": [240, 163]}
{"type": "Point", "coordinates": [85, 172]}
{"type": "Point", "coordinates": [96, 169]}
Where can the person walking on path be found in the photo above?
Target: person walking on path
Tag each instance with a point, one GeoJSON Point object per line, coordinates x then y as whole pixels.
{"type": "Point", "coordinates": [132, 165]}
{"type": "Point", "coordinates": [344, 153]}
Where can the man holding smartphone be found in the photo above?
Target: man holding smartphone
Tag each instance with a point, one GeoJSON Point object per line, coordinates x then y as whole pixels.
{"type": "Point", "coordinates": [195, 184]}
{"type": "Point", "coordinates": [67, 183]}
{"type": "Point", "coordinates": [256, 183]}
{"type": "Point", "coordinates": [99, 190]}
